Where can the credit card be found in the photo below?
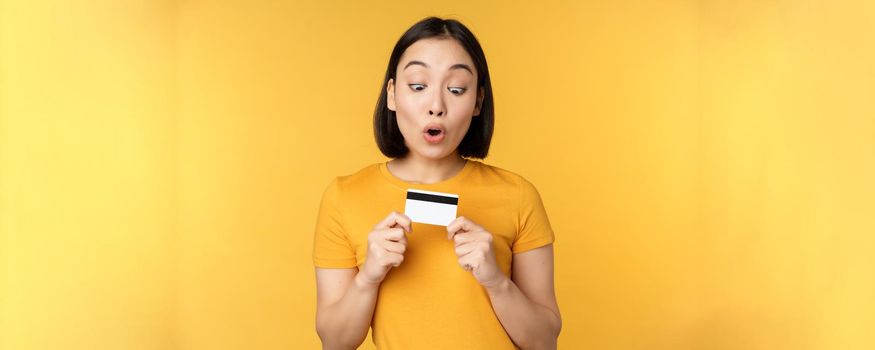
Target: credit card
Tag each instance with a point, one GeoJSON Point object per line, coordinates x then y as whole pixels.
{"type": "Point", "coordinates": [434, 208]}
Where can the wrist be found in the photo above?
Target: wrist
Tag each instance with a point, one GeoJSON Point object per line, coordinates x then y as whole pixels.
{"type": "Point", "coordinates": [499, 286]}
{"type": "Point", "coordinates": [364, 284]}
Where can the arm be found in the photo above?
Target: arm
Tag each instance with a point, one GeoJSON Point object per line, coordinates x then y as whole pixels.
{"type": "Point", "coordinates": [344, 307]}
{"type": "Point", "coordinates": [346, 297]}
{"type": "Point", "coordinates": [526, 303]}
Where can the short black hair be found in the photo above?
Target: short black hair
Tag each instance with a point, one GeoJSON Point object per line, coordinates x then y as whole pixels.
{"type": "Point", "coordinates": [475, 144]}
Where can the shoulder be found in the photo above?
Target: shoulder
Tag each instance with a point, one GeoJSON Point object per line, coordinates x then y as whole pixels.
{"type": "Point", "coordinates": [357, 177]}
{"type": "Point", "coordinates": [501, 176]}
{"type": "Point", "coordinates": [364, 177]}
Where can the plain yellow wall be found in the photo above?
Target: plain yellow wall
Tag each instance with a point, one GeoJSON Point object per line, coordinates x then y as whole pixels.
{"type": "Point", "coordinates": [707, 166]}
{"type": "Point", "coordinates": [88, 220]}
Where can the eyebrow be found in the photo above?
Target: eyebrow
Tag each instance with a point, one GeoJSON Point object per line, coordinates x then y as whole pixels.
{"type": "Point", "coordinates": [455, 66]}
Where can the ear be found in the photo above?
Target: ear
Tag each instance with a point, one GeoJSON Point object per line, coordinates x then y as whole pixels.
{"type": "Point", "coordinates": [480, 95]}
{"type": "Point", "coordinates": [390, 95]}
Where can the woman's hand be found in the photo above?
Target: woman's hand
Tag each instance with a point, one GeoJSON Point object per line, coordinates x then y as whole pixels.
{"type": "Point", "coordinates": [475, 252]}
{"type": "Point", "coordinates": [386, 246]}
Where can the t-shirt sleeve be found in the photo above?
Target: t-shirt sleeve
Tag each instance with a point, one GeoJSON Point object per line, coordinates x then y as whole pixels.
{"type": "Point", "coordinates": [534, 226]}
{"type": "Point", "coordinates": [331, 246]}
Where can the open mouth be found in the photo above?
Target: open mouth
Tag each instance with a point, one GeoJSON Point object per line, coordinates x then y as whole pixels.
{"type": "Point", "coordinates": [434, 133]}
{"type": "Point", "coordinates": [433, 129]}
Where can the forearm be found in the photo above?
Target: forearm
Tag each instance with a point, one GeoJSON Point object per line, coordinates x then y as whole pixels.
{"type": "Point", "coordinates": [529, 325]}
{"type": "Point", "coordinates": [344, 324]}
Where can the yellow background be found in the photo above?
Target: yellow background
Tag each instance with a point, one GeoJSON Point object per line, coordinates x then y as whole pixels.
{"type": "Point", "coordinates": [707, 166]}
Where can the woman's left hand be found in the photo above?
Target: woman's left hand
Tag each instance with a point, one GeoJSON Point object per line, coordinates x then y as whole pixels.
{"type": "Point", "coordinates": [474, 249]}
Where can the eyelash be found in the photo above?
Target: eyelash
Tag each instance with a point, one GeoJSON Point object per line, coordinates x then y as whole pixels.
{"type": "Point", "coordinates": [462, 90]}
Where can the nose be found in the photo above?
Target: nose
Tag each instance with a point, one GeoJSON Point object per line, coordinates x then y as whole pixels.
{"type": "Point", "coordinates": [437, 104]}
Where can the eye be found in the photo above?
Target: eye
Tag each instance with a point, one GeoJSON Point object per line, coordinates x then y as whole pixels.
{"type": "Point", "coordinates": [417, 87]}
{"type": "Point", "coordinates": [456, 90]}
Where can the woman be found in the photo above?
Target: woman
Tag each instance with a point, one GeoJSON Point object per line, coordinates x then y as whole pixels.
{"type": "Point", "coordinates": [484, 281]}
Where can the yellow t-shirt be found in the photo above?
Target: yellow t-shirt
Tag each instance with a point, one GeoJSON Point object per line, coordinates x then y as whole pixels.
{"type": "Point", "coordinates": [430, 302]}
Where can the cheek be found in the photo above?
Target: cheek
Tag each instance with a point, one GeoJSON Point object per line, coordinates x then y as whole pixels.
{"type": "Point", "coordinates": [459, 122]}
{"type": "Point", "coordinates": [462, 126]}
{"type": "Point", "coordinates": [461, 110]}
{"type": "Point", "coordinates": [406, 103]}
{"type": "Point", "coordinates": [405, 113]}
{"type": "Point", "coordinates": [464, 104]}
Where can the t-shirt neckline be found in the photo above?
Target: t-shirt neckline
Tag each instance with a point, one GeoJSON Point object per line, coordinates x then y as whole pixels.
{"type": "Point", "coordinates": [455, 179]}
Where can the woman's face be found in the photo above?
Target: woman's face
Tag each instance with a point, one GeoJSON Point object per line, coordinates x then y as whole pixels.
{"type": "Point", "coordinates": [436, 88]}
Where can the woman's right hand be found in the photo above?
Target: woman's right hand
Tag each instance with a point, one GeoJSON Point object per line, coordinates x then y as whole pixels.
{"type": "Point", "coordinates": [386, 246]}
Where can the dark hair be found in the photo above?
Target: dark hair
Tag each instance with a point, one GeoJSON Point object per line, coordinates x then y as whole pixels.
{"type": "Point", "coordinates": [475, 144]}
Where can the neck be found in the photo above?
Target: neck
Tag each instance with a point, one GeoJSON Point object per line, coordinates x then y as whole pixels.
{"type": "Point", "coordinates": [415, 169]}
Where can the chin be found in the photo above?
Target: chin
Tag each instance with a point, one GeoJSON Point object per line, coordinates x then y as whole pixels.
{"type": "Point", "coordinates": [436, 152]}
